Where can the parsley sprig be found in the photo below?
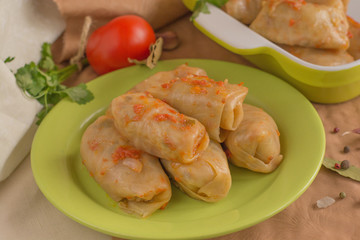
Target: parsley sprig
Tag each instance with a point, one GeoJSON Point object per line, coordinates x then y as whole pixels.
{"type": "Point", "coordinates": [42, 82]}
{"type": "Point", "coordinates": [9, 59]}
{"type": "Point", "coordinates": [201, 7]}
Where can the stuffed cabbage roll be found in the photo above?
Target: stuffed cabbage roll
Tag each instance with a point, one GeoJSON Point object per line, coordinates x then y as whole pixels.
{"type": "Point", "coordinates": [129, 176]}
{"type": "Point", "coordinates": [345, 3]}
{"type": "Point", "coordinates": [153, 126]}
{"type": "Point", "coordinates": [243, 10]}
{"type": "Point", "coordinates": [217, 105]}
{"type": "Point", "coordinates": [335, 3]}
{"type": "Point", "coordinates": [354, 48]}
{"type": "Point", "coordinates": [327, 2]}
{"type": "Point", "coordinates": [207, 178]}
{"type": "Point", "coordinates": [300, 23]}
{"type": "Point", "coordinates": [255, 145]}
{"type": "Point", "coordinates": [323, 57]}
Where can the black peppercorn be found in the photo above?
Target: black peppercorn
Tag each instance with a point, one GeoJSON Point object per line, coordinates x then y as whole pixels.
{"type": "Point", "coordinates": [346, 149]}
{"type": "Point", "coordinates": [345, 164]}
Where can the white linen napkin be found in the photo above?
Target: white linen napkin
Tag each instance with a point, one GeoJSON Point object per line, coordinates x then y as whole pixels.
{"type": "Point", "coordinates": [24, 26]}
{"type": "Point", "coordinates": [16, 119]}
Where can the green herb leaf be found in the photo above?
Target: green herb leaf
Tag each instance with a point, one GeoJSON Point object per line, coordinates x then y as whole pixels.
{"type": "Point", "coordinates": [352, 172]}
{"type": "Point", "coordinates": [46, 62]}
{"type": "Point", "coordinates": [41, 115]}
{"type": "Point", "coordinates": [42, 82]}
{"type": "Point", "coordinates": [218, 3]}
{"type": "Point", "coordinates": [9, 59]}
{"type": "Point", "coordinates": [79, 94]}
{"type": "Point", "coordinates": [30, 79]}
{"type": "Point", "coordinates": [23, 77]}
{"type": "Point", "coordinates": [51, 97]}
{"type": "Point", "coordinates": [201, 7]}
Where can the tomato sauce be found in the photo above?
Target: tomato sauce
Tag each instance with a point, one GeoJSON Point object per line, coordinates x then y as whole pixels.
{"type": "Point", "coordinates": [123, 152]}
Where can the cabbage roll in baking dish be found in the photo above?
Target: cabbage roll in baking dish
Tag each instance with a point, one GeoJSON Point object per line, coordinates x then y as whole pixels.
{"type": "Point", "coordinates": [217, 105]}
{"type": "Point", "coordinates": [323, 57]}
{"type": "Point", "coordinates": [255, 145]}
{"type": "Point", "coordinates": [354, 30]}
{"type": "Point", "coordinates": [306, 24]}
{"type": "Point", "coordinates": [151, 125]}
{"type": "Point", "coordinates": [129, 176]}
{"type": "Point", "coordinates": [243, 10]}
{"type": "Point", "coordinates": [207, 178]}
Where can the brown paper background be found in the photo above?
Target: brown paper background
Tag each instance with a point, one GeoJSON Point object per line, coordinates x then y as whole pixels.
{"type": "Point", "coordinates": [302, 219]}
{"type": "Point", "coordinates": [157, 12]}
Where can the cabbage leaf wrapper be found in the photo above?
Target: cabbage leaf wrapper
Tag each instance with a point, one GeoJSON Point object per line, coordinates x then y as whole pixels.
{"type": "Point", "coordinates": [216, 104]}
{"type": "Point", "coordinates": [255, 145]}
{"type": "Point", "coordinates": [153, 126]}
{"type": "Point", "coordinates": [129, 176]}
{"type": "Point", "coordinates": [207, 178]}
{"type": "Point", "coordinates": [303, 23]}
{"type": "Point", "coordinates": [322, 57]}
{"type": "Point", "coordinates": [354, 29]}
{"type": "Point", "coordinates": [243, 10]}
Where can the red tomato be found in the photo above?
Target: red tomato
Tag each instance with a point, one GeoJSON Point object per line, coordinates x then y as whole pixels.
{"type": "Point", "coordinates": [110, 46]}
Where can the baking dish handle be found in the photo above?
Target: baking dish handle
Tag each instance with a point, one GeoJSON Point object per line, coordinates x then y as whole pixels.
{"type": "Point", "coordinates": [228, 30]}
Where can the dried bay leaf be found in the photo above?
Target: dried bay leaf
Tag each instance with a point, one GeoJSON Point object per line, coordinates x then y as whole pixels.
{"type": "Point", "coordinates": [352, 172]}
{"type": "Point", "coordinates": [155, 54]}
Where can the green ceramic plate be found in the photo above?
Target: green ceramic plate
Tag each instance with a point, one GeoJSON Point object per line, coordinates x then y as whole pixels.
{"type": "Point", "coordinates": [254, 197]}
